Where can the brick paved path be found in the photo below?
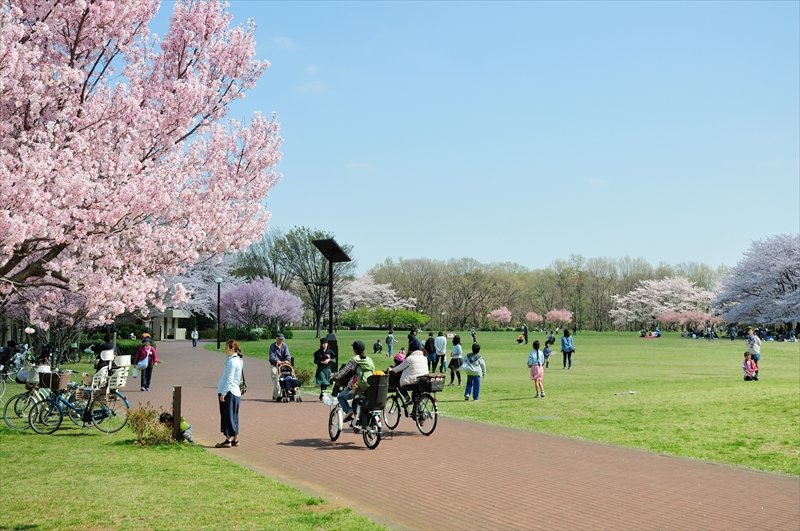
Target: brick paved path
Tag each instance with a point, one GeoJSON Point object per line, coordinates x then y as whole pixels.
{"type": "Point", "coordinates": [580, 485]}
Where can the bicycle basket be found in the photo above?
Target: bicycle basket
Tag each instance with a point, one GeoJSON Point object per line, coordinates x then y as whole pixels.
{"type": "Point", "coordinates": [377, 391]}
{"type": "Point", "coordinates": [54, 381]}
{"type": "Point", "coordinates": [431, 383]}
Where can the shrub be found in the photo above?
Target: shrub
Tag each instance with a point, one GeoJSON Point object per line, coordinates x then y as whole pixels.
{"type": "Point", "coordinates": [305, 375]}
{"type": "Point", "coordinates": [146, 427]}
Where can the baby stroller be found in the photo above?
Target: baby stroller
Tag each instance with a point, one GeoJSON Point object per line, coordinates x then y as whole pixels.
{"type": "Point", "coordinates": [290, 385]}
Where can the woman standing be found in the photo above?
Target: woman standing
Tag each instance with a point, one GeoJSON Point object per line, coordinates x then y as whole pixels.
{"type": "Point", "coordinates": [229, 395]}
{"type": "Point", "coordinates": [455, 360]}
{"type": "Point", "coordinates": [324, 358]}
{"type": "Point", "coordinates": [146, 352]}
{"type": "Point", "coordinates": [567, 348]}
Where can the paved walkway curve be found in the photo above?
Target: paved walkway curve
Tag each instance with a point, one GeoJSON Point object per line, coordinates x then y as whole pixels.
{"type": "Point", "coordinates": [577, 484]}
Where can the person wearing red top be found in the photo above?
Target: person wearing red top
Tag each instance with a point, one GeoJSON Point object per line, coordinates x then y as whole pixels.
{"type": "Point", "coordinates": [146, 351]}
{"type": "Point", "coordinates": [750, 368]}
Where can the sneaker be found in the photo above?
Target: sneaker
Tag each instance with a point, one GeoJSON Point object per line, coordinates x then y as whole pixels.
{"type": "Point", "coordinates": [143, 389]}
{"type": "Point", "coordinates": [234, 443]}
{"type": "Point", "coordinates": [466, 398]}
{"type": "Point", "coordinates": [537, 395]}
{"type": "Point", "coordinates": [348, 417]}
{"type": "Point", "coordinates": [477, 400]}
{"type": "Point", "coordinates": [542, 395]}
{"type": "Point", "coordinates": [223, 444]}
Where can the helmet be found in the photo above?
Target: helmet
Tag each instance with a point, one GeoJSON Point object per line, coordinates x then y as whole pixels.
{"type": "Point", "coordinates": [399, 358]}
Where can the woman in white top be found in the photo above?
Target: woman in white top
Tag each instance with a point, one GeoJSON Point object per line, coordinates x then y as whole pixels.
{"type": "Point", "coordinates": [229, 395]}
{"type": "Point", "coordinates": [455, 360]}
{"type": "Point", "coordinates": [414, 366]}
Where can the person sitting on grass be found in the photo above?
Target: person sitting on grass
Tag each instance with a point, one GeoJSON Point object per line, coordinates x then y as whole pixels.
{"type": "Point", "coordinates": [750, 368]}
{"type": "Point", "coordinates": [186, 428]}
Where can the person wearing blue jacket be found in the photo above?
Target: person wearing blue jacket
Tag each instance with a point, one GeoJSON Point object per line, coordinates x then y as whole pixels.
{"type": "Point", "coordinates": [567, 348]}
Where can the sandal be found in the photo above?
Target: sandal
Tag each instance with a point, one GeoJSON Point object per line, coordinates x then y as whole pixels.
{"type": "Point", "coordinates": [223, 444]}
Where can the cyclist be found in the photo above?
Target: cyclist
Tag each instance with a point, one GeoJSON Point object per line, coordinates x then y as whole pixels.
{"type": "Point", "coordinates": [355, 372]}
{"type": "Point", "coordinates": [414, 366]}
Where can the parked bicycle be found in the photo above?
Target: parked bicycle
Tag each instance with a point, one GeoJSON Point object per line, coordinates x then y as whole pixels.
{"type": "Point", "coordinates": [424, 409]}
{"type": "Point", "coordinates": [106, 408]}
{"type": "Point", "coordinates": [367, 412]}
{"type": "Point", "coordinates": [15, 411]}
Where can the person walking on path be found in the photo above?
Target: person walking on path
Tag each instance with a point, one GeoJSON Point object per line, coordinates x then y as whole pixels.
{"type": "Point", "coordinates": [567, 348]}
{"type": "Point", "coordinates": [475, 368]}
{"type": "Point", "coordinates": [195, 336]}
{"type": "Point", "coordinates": [229, 395]}
{"type": "Point", "coordinates": [536, 363]}
{"type": "Point", "coordinates": [455, 360]}
{"type": "Point", "coordinates": [324, 358]}
{"type": "Point", "coordinates": [440, 343]}
{"type": "Point", "coordinates": [278, 353]}
{"type": "Point", "coordinates": [390, 343]}
{"type": "Point", "coordinates": [146, 352]}
{"type": "Point", "coordinates": [754, 347]}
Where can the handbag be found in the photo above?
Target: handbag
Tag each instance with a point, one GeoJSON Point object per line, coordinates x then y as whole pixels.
{"type": "Point", "coordinates": [143, 363]}
{"type": "Point", "coordinates": [242, 384]}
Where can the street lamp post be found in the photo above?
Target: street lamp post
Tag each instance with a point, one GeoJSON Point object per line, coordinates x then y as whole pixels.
{"type": "Point", "coordinates": [218, 280]}
{"type": "Point", "coordinates": [334, 254]}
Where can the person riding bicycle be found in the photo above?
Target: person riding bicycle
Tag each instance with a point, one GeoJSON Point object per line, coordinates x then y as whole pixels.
{"type": "Point", "coordinates": [414, 366]}
{"type": "Point", "coordinates": [355, 373]}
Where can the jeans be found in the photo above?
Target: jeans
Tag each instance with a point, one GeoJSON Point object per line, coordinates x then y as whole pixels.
{"type": "Point", "coordinates": [473, 386]}
{"type": "Point", "coordinates": [343, 397]}
{"type": "Point", "coordinates": [147, 374]}
{"type": "Point", "coordinates": [567, 358]}
{"type": "Point", "coordinates": [194, 343]}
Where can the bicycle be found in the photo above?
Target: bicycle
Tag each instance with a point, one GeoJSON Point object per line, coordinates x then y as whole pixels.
{"type": "Point", "coordinates": [367, 421]}
{"type": "Point", "coordinates": [424, 410]}
{"type": "Point", "coordinates": [15, 411]}
{"type": "Point", "coordinates": [108, 412]}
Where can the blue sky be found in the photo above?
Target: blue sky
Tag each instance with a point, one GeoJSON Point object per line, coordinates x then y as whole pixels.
{"type": "Point", "coordinates": [528, 131]}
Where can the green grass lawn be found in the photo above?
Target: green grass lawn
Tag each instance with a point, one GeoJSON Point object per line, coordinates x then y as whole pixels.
{"type": "Point", "coordinates": [687, 399]}
{"type": "Point", "coordinates": [83, 479]}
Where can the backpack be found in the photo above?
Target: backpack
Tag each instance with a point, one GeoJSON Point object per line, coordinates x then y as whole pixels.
{"type": "Point", "coordinates": [363, 371]}
{"type": "Point", "coordinates": [388, 340]}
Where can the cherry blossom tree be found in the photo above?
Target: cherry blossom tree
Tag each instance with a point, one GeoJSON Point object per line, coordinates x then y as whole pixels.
{"type": "Point", "coordinates": [652, 298]}
{"type": "Point", "coordinates": [365, 292]}
{"type": "Point", "coordinates": [764, 287]}
{"type": "Point", "coordinates": [260, 303]}
{"type": "Point", "coordinates": [117, 166]}
{"type": "Point", "coordinates": [533, 317]}
{"type": "Point", "coordinates": [501, 315]}
{"type": "Point", "coordinates": [558, 317]}
{"type": "Point", "coordinates": [199, 281]}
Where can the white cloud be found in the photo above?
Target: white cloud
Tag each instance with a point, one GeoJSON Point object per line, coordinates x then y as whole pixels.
{"type": "Point", "coordinates": [284, 43]}
{"type": "Point", "coordinates": [312, 70]}
{"type": "Point", "coordinates": [312, 87]}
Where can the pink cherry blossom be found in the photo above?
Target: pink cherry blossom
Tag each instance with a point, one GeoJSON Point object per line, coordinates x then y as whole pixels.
{"type": "Point", "coordinates": [501, 315]}
{"type": "Point", "coordinates": [117, 165]}
{"type": "Point", "coordinates": [533, 317]}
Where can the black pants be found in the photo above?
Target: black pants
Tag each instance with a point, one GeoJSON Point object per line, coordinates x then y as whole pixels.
{"type": "Point", "coordinates": [147, 374]}
{"type": "Point", "coordinates": [229, 415]}
{"type": "Point", "coordinates": [567, 358]}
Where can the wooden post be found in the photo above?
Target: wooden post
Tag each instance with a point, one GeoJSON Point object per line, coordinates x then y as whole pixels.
{"type": "Point", "coordinates": [176, 414]}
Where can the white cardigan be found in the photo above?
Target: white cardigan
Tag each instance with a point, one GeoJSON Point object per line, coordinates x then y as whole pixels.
{"type": "Point", "coordinates": [414, 366]}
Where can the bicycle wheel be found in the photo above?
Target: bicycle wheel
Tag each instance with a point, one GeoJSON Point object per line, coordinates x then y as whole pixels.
{"type": "Point", "coordinates": [427, 414]}
{"type": "Point", "coordinates": [334, 424]}
{"type": "Point", "coordinates": [109, 414]}
{"type": "Point", "coordinates": [75, 412]}
{"type": "Point", "coordinates": [372, 433]}
{"type": "Point", "coordinates": [15, 412]}
{"type": "Point", "coordinates": [392, 416]}
{"type": "Point", "coordinates": [45, 417]}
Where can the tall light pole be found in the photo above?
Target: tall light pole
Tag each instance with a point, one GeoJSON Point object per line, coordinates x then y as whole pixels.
{"type": "Point", "coordinates": [218, 280]}
{"type": "Point", "coordinates": [334, 254]}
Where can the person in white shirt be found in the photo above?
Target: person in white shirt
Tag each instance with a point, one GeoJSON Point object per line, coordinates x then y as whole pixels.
{"type": "Point", "coordinates": [440, 343]}
{"type": "Point", "coordinates": [414, 366]}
